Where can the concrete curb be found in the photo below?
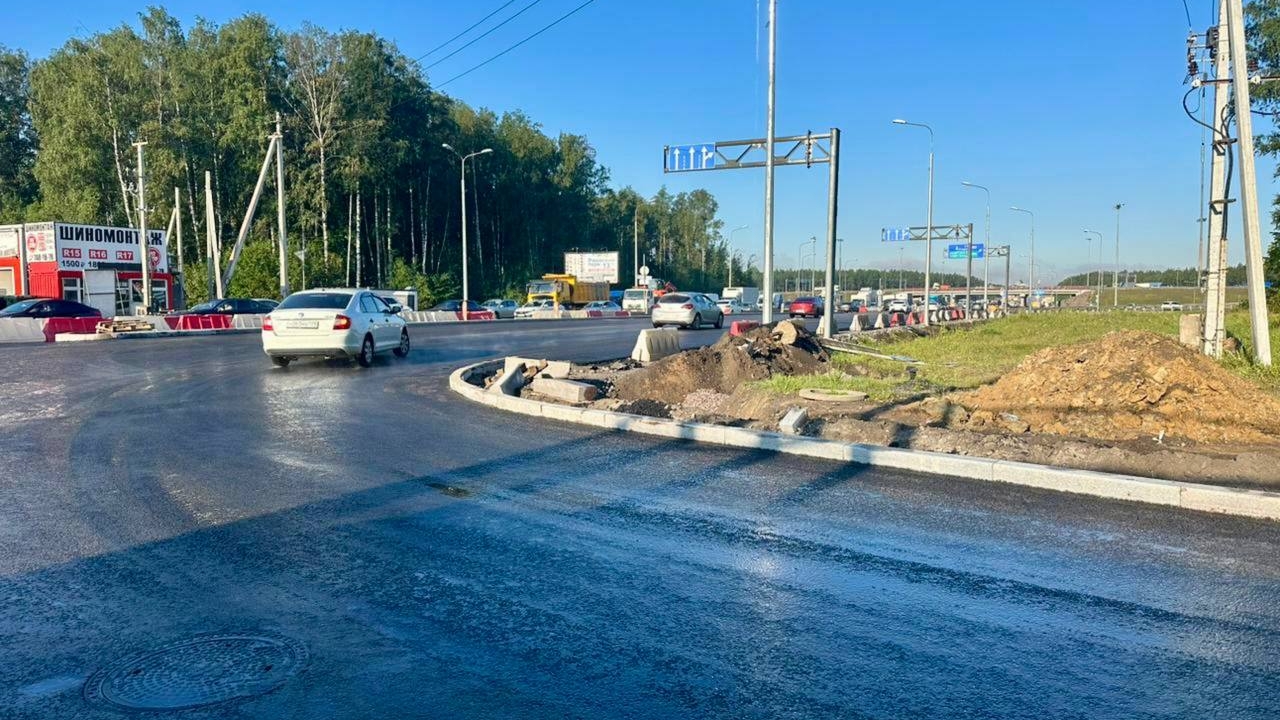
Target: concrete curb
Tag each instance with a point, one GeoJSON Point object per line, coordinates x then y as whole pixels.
{"type": "Point", "coordinates": [1188, 496]}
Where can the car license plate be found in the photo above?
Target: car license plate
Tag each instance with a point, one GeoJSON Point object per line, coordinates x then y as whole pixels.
{"type": "Point", "coordinates": [302, 324]}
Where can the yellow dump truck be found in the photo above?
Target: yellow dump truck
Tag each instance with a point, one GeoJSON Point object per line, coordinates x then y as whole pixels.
{"type": "Point", "coordinates": [567, 290]}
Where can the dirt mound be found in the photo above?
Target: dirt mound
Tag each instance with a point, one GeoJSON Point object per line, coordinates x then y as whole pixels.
{"type": "Point", "coordinates": [1127, 385]}
{"type": "Point", "coordinates": [722, 367]}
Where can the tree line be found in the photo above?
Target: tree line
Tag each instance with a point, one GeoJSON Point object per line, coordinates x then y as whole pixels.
{"type": "Point", "coordinates": [1171, 277]}
{"type": "Point", "coordinates": [373, 194]}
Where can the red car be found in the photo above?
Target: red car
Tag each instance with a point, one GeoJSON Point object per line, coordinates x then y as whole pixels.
{"type": "Point", "coordinates": [806, 307]}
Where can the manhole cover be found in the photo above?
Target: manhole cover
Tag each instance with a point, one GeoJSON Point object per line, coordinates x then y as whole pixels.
{"type": "Point", "coordinates": [200, 671]}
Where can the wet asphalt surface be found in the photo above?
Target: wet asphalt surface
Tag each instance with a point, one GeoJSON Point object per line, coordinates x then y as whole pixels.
{"type": "Point", "coordinates": [442, 560]}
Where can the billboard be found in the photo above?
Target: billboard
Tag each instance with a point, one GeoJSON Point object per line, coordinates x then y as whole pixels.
{"type": "Point", "coordinates": [592, 266]}
{"type": "Point", "coordinates": [10, 241]}
{"type": "Point", "coordinates": [93, 247]}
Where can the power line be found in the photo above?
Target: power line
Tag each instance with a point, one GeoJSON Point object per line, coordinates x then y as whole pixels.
{"type": "Point", "coordinates": [1187, 10]}
{"type": "Point", "coordinates": [557, 21]}
{"type": "Point", "coordinates": [482, 35]}
{"type": "Point", "coordinates": [433, 50]}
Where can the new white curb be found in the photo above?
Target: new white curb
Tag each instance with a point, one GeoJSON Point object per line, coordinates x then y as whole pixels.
{"type": "Point", "coordinates": [1189, 496]}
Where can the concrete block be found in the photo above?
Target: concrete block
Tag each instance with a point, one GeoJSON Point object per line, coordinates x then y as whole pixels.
{"type": "Point", "coordinates": [553, 411]}
{"type": "Point", "coordinates": [1189, 332]}
{"type": "Point", "coordinates": [1250, 503]}
{"type": "Point", "coordinates": [509, 383]}
{"type": "Point", "coordinates": [794, 421]}
{"type": "Point", "coordinates": [555, 368]}
{"type": "Point", "coordinates": [920, 461]}
{"type": "Point", "coordinates": [656, 344]}
{"type": "Point", "coordinates": [813, 447]}
{"type": "Point", "coordinates": [569, 391]}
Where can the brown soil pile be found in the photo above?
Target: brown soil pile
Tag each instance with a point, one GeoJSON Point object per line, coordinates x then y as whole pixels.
{"type": "Point", "coordinates": [1124, 386]}
{"type": "Point", "coordinates": [722, 367]}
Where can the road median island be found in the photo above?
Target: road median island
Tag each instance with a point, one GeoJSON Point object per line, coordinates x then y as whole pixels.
{"type": "Point", "coordinates": [1127, 415]}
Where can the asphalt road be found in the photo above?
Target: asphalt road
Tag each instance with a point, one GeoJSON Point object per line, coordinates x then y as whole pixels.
{"type": "Point", "coordinates": [417, 556]}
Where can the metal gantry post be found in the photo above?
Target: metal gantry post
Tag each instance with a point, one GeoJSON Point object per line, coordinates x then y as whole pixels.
{"type": "Point", "coordinates": [1249, 207]}
{"type": "Point", "coordinates": [769, 165]}
{"type": "Point", "coordinates": [833, 194]}
{"type": "Point", "coordinates": [1115, 291]}
{"type": "Point", "coordinates": [144, 246]}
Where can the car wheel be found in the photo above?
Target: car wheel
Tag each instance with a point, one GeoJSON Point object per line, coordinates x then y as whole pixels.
{"type": "Point", "coordinates": [365, 358]}
{"type": "Point", "coordinates": [403, 349]}
{"type": "Point", "coordinates": [280, 361]}
{"type": "Point", "coordinates": [697, 322]}
{"type": "Point", "coordinates": [657, 326]}
{"type": "Point", "coordinates": [720, 322]}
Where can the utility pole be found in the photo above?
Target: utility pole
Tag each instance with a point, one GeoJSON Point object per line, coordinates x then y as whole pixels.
{"type": "Point", "coordinates": [213, 254]}
{"type": "Point", "coordinates": [769, 164]}
{"type": "Point", "coordinates": [635, 246]}
{"type": "Point", "coordinates": [463, 184]}
{"type": "Point", "coordinates": [144, 246]}
{"type": "Point", "coordinates": [1219, 194]}
{"type": "Point", "coordinates": [182, 273]}
{"type": "Point", "coordinates": [1249, 207]}
{"type": "Point", "coordinates": [1115, 299]}
{"type": "Point", "coordinates": [284, 240]}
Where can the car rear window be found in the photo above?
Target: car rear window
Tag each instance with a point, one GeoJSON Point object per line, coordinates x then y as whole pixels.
{"type": "Point", "coordinates": [316, 301]}
{"type": "Point", "coordinates": [674, 299]}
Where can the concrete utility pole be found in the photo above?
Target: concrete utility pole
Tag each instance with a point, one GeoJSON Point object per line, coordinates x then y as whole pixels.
{"type": "Point", "coordinates": [284, 240]}
{"type": "Point", "coordinates": [1213, 331]}
{"type": "Point", "coordinates": [986, 244]}
{"type": "Point", "coordinates": [463, 184]}
{"type": "Point", "coordinates": [182, 273]}
{"type": "Point", "coordinates": [1249, 186]}
{"type": "Point", "coordinates": [769, 164]}
{"type": "Point", "coordinates": [144, 247]}
{"type": "Point", "coordinates": [635, 246]}
{"type": "Point", "coordinates": [1115, 299]}
{"type": "Point", "coordinates": [248, 214]}
{"type": "Point", "coordinates": [928, 229]}
{"type": "Point", "coordinates": [1031, 260]}
{"type": "Point", "coordinates": [212, 253]}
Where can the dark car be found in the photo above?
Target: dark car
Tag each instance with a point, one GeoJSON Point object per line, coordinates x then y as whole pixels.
{"type": "Point", "coordinates": [231, 306]}
{"type": "Point", "coordinates": [456, 306]}
{"type": "Point", "coordinates": [805, 307]}
{"type": "Point", "coordinates": [49, 308]}
{"type": "Point", "coordinates": [7, 300]}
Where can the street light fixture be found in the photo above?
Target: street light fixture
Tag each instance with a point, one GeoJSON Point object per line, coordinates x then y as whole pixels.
{"type": "Point", "coordinates": [1031, 262]}
{"type": "Point", "coordinates": [928, 230]}
{"type": "Point", "coordinates": [463, 164]}
{"type": "Point", "coordinates": [986, 246]}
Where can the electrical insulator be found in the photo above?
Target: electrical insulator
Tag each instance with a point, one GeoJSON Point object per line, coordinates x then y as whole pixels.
{"type": "Point", "coordinates": [1193, 68]}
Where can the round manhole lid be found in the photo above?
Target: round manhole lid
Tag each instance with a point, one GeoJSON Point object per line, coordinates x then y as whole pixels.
{"type": "Point", "coordinates": [200, 671]}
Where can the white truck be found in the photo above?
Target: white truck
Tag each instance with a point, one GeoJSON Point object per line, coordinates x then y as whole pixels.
{"type": "Point", "coordinates": [747, 296]}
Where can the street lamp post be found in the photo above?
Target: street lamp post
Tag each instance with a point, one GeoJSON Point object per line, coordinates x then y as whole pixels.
{"type": "Point", "coordinates": [732, 252]}
{"type": "Point", "coordinates": [1115, 298]}
{"type": "Point", "coordinates": [463, 165]}
{"type": "Point", "coordinates": [986, 245]}
{"type": "Point", "coordinates": [1098, 298]}
{"type": "Point", "coordinates": [811, 241]}
{"type": "Point", "coordinates": [928, 230]}
{"type": "Point", "coordinates": [1031, 262]}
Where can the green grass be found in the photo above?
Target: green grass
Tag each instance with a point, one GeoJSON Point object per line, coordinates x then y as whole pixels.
{"type": "Point", "coordinates": [966, 358]}
{"type": "Point", "coordinates": [1155, 296]}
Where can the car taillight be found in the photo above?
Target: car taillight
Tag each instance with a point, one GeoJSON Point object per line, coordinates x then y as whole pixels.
{"type": "Point", "coordinates": [341, 322]}
{"type": "Point", "coordinates": [686, 306]}
{"type": "Point", "coordinates": [266, 324]}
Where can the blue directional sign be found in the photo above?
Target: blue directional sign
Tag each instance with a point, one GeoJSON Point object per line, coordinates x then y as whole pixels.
{"type": "Point", "coordinates": [700, 156]}
{"type": "Point", "coordinates": [957, 252]}
{"type": "Point", "coordinates": [894, 235]}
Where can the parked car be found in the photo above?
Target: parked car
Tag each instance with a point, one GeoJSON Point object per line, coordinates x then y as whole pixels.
{"type": "Point", "coordinates": [1171, 305]}
{"type": "Point", "coordinates": [688, 310]}
{"type": "Point", "coordinates": [502, 309]}
{"type": "Point", "coordinates": [527, 310]}
{"type": "Point", "coordinates": [7, 300]}
{"type": "Point", "coordinates": [231, 306]}
{"type": "Point", "coordinates": [49, 308]}
{"type": "Point", "coordinates": [805, 307]}
{"type": "Point", "coordinates": [456, 306]}
{"type": "Point", "coordinates": [333, 323]}
{"type": "Point", "coordinates": [603, 306]}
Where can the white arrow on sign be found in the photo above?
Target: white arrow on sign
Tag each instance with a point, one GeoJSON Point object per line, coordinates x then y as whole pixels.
{"type": "Point", "coordinates": [708, 156]}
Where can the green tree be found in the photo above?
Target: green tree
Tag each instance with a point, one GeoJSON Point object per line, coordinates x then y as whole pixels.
{"type": "Point", "coordinates": [17, 136]}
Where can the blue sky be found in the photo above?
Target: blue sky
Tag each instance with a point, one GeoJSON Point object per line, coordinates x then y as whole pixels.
{"type": "Point", "coordinates": [1061, 107]}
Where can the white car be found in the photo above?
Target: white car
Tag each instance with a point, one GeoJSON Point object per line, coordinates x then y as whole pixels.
{"type": "Point", "coordinates": [502, 309]}
{"type": "Point", "coordinates": [896, 306]}
{"type": "Point", "coordinates": [731, 306]}
{"type": "Point", "coordinates": [1171, 305]}
{"type": "Point", "coordinates": [603, 306]}
{"type": "Point", "coordinates": [527, 310]}
{"type": "Point", "coordinates": [331, 323]}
